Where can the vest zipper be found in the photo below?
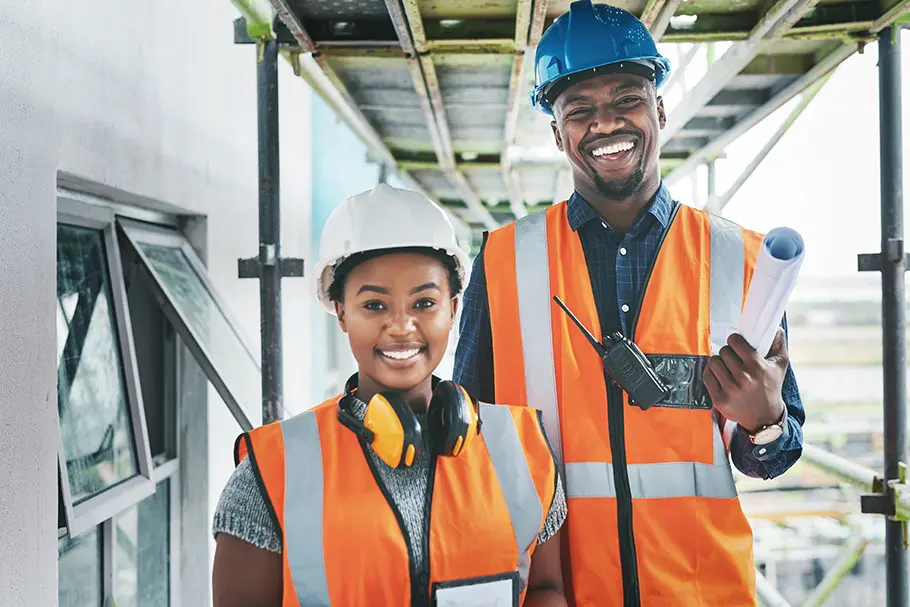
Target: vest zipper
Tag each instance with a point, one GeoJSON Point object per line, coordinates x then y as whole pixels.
{"type": "Point", "coordinates": [627, 555]}
{"type": "Point", "coordinates": [616, 425]}
{"type": "Point", "coordinates": [413, 573]}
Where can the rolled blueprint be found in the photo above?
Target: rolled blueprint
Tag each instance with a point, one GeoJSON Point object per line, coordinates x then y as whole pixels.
{"type": "Point", "coordinates": [779, 260]}
{"type": "Point", "coordinates": [778, 263]}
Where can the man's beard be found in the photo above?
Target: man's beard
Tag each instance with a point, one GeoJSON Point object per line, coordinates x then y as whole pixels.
{"type": "Point", "coordinates": [621, 189]}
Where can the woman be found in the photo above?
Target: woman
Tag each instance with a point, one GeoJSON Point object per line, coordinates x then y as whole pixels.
{"type": "Point", "coordinates": [402, 490]}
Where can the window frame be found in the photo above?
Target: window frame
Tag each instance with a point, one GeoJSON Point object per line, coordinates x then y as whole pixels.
{"type": "Point", "coordinates": [136, 232]}
{"type": "Point", "coordinates": [102, 506]}
{"type": "Point", "coordinates": [168, 472]}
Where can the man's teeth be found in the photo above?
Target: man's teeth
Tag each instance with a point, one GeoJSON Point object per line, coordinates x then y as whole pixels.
{"type": "Point", "coordinates": [401, 354]}
{"type": "Point", "coordinates": [614, 148]}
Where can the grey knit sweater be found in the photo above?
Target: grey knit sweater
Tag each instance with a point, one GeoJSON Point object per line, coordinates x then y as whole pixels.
{"type": "Point", "coordinates": [242, 511]}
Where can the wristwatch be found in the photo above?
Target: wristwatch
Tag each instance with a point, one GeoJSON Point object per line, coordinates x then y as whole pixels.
{"type": "Point", "coordinates": [771, 432]}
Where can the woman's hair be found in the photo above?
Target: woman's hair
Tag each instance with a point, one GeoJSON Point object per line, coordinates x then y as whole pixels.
{"type": "Point", "coordinates": [336, 289]}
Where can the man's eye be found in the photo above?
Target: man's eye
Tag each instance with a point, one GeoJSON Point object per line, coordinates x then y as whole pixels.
{"type": "Point", "coordinates": [629, 100]}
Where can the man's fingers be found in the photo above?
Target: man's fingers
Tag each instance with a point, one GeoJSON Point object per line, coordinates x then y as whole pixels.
{"type": "Point", "coordinates": [778, 351]}
{"type": "Point", "coordinates": [732, 360]}
{"type": "Point", "coordinates": [721, 373]}
{"type": "Point", "coordinates": [714, 390]}
{"type": "Point", "coordinates": [743, 350]}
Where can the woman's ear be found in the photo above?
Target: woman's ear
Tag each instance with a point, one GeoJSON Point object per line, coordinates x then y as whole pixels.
{"type": "Point", "coordinates": [339, 312]}
{"type": "Point", "coordinates": [455, 303]}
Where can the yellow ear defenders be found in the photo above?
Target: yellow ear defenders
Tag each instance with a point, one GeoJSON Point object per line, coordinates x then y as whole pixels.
{"type": "Point", "coordinates": [395, 434]}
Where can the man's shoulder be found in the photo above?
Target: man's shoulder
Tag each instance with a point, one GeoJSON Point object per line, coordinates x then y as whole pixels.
{"type": "Point", "coordinates": [716, 216]}
{"type": "Point", "coordinates": [537, 213]}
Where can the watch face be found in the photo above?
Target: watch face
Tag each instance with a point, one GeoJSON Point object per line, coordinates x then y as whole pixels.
{"type": "Point", "coordinates": [768, 435]}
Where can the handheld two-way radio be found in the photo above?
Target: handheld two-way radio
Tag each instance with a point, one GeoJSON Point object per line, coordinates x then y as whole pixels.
{"type": "Point", "coordinates": [625, 365]}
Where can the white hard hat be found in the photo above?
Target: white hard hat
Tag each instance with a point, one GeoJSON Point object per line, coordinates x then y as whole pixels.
{"type": "Point", "coordinates": [384, 217]}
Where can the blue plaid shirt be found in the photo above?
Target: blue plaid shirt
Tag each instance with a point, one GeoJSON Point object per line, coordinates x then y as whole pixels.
{"type": "Point", "coordinates": [618, 265]}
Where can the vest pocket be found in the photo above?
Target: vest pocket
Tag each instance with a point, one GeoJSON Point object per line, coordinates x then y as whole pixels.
{"type": "Point", "coordinates": [489, 591]}
{"type": "Point", "coordinates": [682, 374]}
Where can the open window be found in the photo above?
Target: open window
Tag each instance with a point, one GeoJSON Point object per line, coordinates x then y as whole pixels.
{"type": "Point", "coordinates": [104, 457]}
{"type": "Point", "coordinates": [189, 301]}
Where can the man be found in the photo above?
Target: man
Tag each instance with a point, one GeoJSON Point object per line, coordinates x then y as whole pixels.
{"type": "Point", "coordinates": [654, 517]}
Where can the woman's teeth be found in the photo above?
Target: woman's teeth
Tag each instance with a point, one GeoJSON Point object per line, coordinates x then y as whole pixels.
{"type": "Point", "coordinates": [400, 354]}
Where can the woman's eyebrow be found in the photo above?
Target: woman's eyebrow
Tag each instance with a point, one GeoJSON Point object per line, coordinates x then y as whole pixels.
{"type": "Point", "coordinates": [424, 287]}
{"type": "Point", "coordinates": [374, 289]}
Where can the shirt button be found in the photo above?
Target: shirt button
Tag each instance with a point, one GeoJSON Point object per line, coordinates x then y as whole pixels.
{"type": "Point", "coordinates": [762, 451]}
{"type": "Point", "coordinates": [604, 224]}
{"type": "Point", "coordinates": [622, 250]}
{"type": "Point", "coordinates": [625, 307]}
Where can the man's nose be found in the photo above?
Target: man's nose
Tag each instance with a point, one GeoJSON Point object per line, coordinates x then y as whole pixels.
{"type": "Point", "coordinates": [606, 120]}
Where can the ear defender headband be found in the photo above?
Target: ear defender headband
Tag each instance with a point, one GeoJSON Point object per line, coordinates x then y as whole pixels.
{"type": "Point", "coordinates": [395, 434]}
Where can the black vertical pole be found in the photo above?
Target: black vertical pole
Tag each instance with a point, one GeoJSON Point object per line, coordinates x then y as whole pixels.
{"type": "Point", "coordinates": [269, 231]}
{"type": "Point", "coordinates": [268, 266]}
{"type": "Point", "coordinates": [893, 324]}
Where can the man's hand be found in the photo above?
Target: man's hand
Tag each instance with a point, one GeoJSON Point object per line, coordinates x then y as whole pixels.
{"type": "Point", "coordinates": [746, 388]}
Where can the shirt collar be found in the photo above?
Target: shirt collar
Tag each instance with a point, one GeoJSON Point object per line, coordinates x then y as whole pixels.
{"type": "Point", "coordinates": [581, 212]}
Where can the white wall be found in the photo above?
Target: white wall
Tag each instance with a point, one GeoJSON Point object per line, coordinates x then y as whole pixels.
{"type": "Point", "coordinates": [152, 99]}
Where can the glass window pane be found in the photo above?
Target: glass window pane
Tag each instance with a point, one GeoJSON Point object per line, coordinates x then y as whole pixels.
{"type": "Point", "coordinates": [142, 552]}
{"type": "Point", "coordinates": [79, 570]}
{"type": "Point", "coordinates": [154, 343]}
{"type": "Point", "coordinates": [94, 414]}
{"type": "Point", "coordinates": [193, 301]}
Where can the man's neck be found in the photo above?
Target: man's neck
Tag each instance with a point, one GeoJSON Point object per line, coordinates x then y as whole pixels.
{"type": "Point", "coordinates": [621, 214]}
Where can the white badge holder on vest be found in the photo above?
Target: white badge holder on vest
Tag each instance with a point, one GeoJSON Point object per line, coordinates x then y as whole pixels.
{"type": "Point", "coordinates": [498, 591]}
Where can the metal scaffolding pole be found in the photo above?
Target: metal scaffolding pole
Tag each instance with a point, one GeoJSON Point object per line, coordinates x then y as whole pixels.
{"type": "Point", "coordinates": [893, 325]}
{"type": "Point", "coordinates": [269, 231]}
{"type": "Point", "coordinates": [892, 265]}
{"type": "Point", "coordinates": [269, 267]}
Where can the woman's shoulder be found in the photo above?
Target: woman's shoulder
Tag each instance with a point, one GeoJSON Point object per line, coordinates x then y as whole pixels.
{"type": "Point", "coordinates": [243, 513]}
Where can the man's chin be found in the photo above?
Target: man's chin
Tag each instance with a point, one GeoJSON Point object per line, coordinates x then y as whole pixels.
{"type": "Point", "coordinates": [619, 188]}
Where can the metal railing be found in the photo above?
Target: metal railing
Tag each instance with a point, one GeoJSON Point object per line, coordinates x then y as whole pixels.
{"type": "Point", "coordinates": [873, 487]}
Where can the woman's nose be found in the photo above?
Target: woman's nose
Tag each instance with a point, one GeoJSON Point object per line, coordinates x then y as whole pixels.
{"type": "Point", "coordinates": [401, 322]}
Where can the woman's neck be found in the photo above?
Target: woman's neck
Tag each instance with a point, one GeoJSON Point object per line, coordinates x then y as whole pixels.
{"type": "Point", "coordinates": [418, 397]}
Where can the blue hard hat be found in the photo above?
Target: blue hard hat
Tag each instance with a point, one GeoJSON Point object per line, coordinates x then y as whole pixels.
{"type": "Point", "coordinates": [591, 39]}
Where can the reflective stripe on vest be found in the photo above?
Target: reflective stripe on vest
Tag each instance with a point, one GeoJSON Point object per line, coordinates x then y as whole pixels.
{"type": "Point", "coordinates": [662, 480]}
{"type": "Point", "coordinates": [304, 498]}
{"type": "Point", "coordinates": [522, 500]}
{"type": "Point", "coordinates": [534, 312]}
{"type": "Point", "coordinates": [303, 519]}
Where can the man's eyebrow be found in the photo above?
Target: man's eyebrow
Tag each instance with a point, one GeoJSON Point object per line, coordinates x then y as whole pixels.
{"type": "Point", "coordinates": [424, 287]}
{"type": "Point", "coordinates": [373, 289]}
{"type": "Point", "coordinates": [626, 86]}
{"type": "Point", "coordinates": [576, 98]}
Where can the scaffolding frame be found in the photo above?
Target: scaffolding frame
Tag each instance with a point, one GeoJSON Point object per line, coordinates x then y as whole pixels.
{"type": "Point", "coordinates": [887, 495]}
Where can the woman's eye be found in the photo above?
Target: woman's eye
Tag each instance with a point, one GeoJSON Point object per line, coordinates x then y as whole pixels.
{"type": "Point", "coordinates": [374, 306]}
{"type": "Point", "coordinates": [424, 304]}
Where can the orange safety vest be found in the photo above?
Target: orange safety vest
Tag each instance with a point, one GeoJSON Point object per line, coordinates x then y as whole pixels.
{"type": "Point", "coordinates": [668, 516]}
{"type": "Point", "coordinates": [344, 544]}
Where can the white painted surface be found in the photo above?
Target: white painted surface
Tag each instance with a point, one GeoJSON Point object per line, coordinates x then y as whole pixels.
{"type": "Point", "coordinates": [154, 101]}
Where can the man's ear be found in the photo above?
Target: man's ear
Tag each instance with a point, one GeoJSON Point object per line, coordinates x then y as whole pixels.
{"type": "Point", "coordinates": [557, 136]}
{"type": "Point", "coordinates": [661, 113]}
{"type": "Point", "coordinates": [339, 312]}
